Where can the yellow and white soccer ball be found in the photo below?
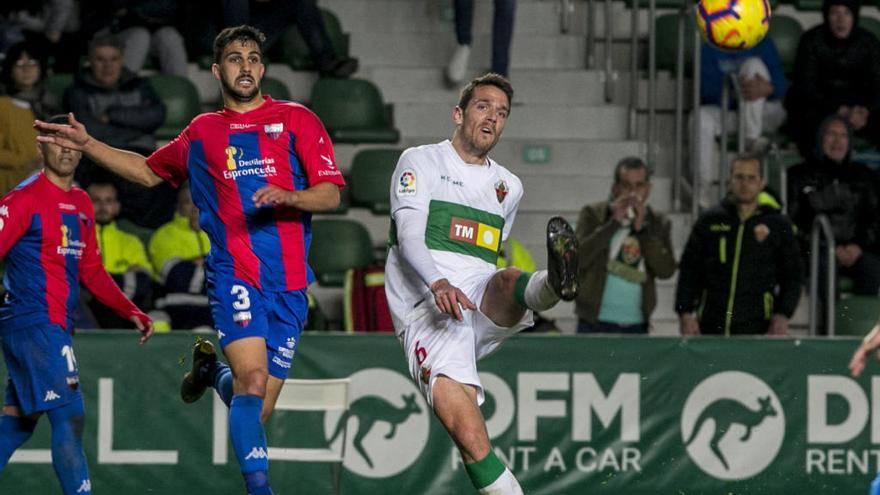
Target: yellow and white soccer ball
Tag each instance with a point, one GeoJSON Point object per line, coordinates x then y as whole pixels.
{"type": "Point", "coordinates": [733, 24]}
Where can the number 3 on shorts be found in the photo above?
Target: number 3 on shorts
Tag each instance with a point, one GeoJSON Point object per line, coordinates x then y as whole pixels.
{"type": "Point", "coordinates": [243, 302]}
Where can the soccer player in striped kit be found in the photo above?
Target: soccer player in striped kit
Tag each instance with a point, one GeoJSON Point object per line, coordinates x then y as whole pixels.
{"type": "Point", "coordinates": [257, 169]}
{"type": "Point", "coordinates": [47, 237]}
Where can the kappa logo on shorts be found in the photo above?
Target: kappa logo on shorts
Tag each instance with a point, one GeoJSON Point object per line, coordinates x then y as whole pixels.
{"type": "Point", "coordinates": [51, 395]}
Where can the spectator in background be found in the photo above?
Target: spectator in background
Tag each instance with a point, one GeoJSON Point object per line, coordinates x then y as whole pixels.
{"type": "Point", "coordinates": [24, 98]}
{"type": "Point", "coordinates": [123, 110]}
{"type": "Point", "coordinates": [145, 28]}
{"type": "Point", "coordinates": [836, 71]}
{"type": "Point", "coordinates": [51, 25]}
{"type": "Point", "coordinates": [274, 17]}
{"type": "Point", "coordinates": [22, 77]}
{"type": "Point", "coordinates": [762, 84]}
{"type": "Point", "coordinates": [741, 262]}
{"type": "Point", "coordinates": [122, 254]}
{"type": "Point", "coordinates": [831, 184]}
{"type": "Point", "coordinates": [624, 245]}
{"type": "Point", "coordinates": [178, 251]}
{"type": "Point", "coordinates": [502, 35]}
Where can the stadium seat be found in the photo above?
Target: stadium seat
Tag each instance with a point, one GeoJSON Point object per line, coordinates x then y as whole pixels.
{"type": "Point", "coordinates": [666, 35]}
{"type": "Point", "coordinates": [785, 32]}
{"type": "Point", "coordinates": [871, 24]}
{"type": "Point", "coordinates": [856, 315]}
{"type": "Point", "coordinates": [371, 172]}
{"type": "Point", "coordinates": [808, 5]}
{"type": "Point", "coordinates": [318, 395]}
{"type": "Point", "coordinates": [337, 245]}
{"type": "Point", "coordinates": [353, 111]}
{"type": "Point", "coordinates": [274, 88]}
{"type": "Point", "coordinates": [295, 52]}
{"type": "Point", "coordinates": [56, 84]}
{"type": "Point", "coordinates": [181, 101]}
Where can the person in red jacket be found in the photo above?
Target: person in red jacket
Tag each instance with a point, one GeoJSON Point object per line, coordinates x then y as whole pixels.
{"type": "Point", "coordinates": [47, 237]}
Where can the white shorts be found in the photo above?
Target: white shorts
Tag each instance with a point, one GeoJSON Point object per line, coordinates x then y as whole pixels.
{"type": "Point", "coordinates": [437, 344]}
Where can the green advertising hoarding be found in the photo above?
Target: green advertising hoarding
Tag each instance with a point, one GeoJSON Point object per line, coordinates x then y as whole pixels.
{"type": "Point", "coordinates": [569, 415]}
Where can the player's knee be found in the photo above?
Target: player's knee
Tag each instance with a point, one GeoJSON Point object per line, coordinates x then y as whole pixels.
{"type": "Point", "coordinates": [252, 382]}
{"type": "Point", "coordinates": [505, 280]}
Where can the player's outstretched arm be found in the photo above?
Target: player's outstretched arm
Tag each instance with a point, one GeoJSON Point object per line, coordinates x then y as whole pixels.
{"type": "Point", "coordinates": [127, 164]}
{"type": "Point", "coordinates": [869, 344]}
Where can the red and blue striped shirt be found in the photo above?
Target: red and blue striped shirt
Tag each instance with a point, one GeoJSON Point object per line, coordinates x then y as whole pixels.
{"type": "Point", "coordinates": [228, 156]}
{"type": "Point", "coordinates": [47, 237]}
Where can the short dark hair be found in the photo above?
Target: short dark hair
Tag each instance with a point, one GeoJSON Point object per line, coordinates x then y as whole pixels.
{"type": "Point", "coordinates": [105, 40]}
{"type": "Point", "coordinates": [243, 34]}
{"type": "Point", "coordinates": [60, 118]}
{"type": "Point", "coordinates": [105, 184]}
{"type": "Point", "coordinates": [490, 79]}
{"type": "Point", "coordinates": [750, 156]}
{"type": "Point", "coordinates": [631, 163]}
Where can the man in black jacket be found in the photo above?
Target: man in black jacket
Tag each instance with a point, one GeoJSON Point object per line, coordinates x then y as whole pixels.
{"type": "Point", "coordinates": [845, 191]}
{"type": "Point", "coordinates": [836, 71]}
{"type": "Point", "coordinates": [741, 270]}
{"type": "Point", "coordinates": [121, 109]}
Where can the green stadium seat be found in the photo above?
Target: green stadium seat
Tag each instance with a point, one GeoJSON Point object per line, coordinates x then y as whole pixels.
{"type": "Point", "coordinates": [871, 24]}
{"type": "Point", "coordinates": [295, 52]}
{"type": "Point", "coordinates": [785, 32]}
{"type": "Point", "coordinates": [275, 88]}
{"type": "Point", "coordinates": [808, 5]}
{"type": "Point", "coordinates": [337, 245]}
{"type": "Point", "coordinates": [856, 315]}
{"type": "Point", "coordinates": [143, 233]}
{"type": "Point", "coordinates": [371, 172]}
{"type": "Point", "coordinates": [353, 111]}
{"type": "Point", "coordinates": [666, 35]}
{"type": "Point", "coordinates": [56, 84]}
{"type": "Point", "coordinates": [181, 103]}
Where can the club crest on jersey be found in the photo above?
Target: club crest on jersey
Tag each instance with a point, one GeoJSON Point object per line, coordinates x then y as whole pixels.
{"type": "Point", "coordinates": [406, 184]}
{"type": "Point", "coordinates": [501, 190]}
{"type": "Point", "coordinates": [242, 318]}
{"type": "Point", "coordinates": [425, 375]}
{"type": "Point", "coordinates": [273, 130]}
{"type": "Point", "coordinates": [231, 154]}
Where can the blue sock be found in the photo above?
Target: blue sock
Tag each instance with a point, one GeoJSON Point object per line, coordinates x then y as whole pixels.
{"type": "Point", "coordinates": [14, 431]}
{"type": "Point", "coordinates": [875, 486]}
{"type": "Point", "coordinates": [223, 382]}
{"type": "Point", "coordinates": [249, 442]}
{"type": "Point", "coordinates": [68, 457]}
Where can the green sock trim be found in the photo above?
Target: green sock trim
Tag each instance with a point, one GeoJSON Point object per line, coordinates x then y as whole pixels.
{"type": "Point", "coordinates": [519, 289]}
{"type": "Point", "coordinates": [484, 473]}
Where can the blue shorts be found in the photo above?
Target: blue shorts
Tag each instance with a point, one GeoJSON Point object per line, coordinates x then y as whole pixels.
{"type": "Point", "coordinates": [42, 369]}
{"type": "Point", "coordinates": [241, 311]}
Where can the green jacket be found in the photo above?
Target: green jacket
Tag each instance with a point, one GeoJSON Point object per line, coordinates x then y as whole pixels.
{"type": "Point", "coordinates": [595, 228]}
{"type": "Point", "coordinates": [120, 250]}
{"type": "Point", "coordinates": [177, 241]}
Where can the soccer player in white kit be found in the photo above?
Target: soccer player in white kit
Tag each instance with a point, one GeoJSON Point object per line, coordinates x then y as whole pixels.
{"type": "Point", "coordinates": [452, 207]}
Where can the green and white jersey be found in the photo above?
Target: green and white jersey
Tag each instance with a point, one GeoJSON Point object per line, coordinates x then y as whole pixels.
{"type": "Point", "coordinates": [470, 211]}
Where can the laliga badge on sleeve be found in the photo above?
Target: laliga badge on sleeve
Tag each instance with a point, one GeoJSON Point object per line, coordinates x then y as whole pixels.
{"type": "Point", "coordinates": [406, 183]}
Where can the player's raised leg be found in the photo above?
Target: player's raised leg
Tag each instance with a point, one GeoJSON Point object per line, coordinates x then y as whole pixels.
{"type": "Point", "coordinates": [511, 292]}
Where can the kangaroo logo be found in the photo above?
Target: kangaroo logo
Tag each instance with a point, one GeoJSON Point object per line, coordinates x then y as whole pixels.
{"type": "Point", "coordinates": [732, 425]}
{"type": "Point", "coordinates": [368, 410]}
{"type": "Point", "coordinates": [386, 428]}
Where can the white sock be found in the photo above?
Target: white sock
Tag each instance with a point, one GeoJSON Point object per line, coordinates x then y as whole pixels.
{"type": "Point", "coordinates": [506, 484]}
{"type": "Point", "coordinates": [539, 296]}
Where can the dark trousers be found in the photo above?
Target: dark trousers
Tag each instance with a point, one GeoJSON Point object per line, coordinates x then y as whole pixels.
{"type": "Point", "coordinates": [607, 327]}
{"type": "Point", "coordinates": [502, 30]}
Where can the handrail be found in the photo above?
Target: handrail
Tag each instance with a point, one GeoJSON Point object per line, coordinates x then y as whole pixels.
{"type": "Point", "coordinates": [678, 144]}
{"type": "Point", "coordinates": [652, 79]}
{"type": "Point", "coordinates": [591, 34]}
{"type": "Point", "coordinates": [822, 226]}
{"type": "Point", "coordinates": [610, 75]}
{"type": "Point", "coordinates": [695, 130]}
{"type": "Point", "coordinates": [724, 165]}
{"type": "Point", "coordinates": [634, 69]}
{"type": "Point", "coordinates": [565, 15]}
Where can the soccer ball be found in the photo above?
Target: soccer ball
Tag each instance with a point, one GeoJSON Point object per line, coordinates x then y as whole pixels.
{"type": "Point", "coordinates": [733, 24]}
